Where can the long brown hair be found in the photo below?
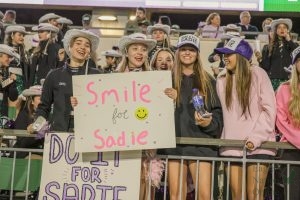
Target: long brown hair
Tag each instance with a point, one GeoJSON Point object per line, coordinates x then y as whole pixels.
{"type": "Point", "coordinates": [275, 41]}
{"type": "Point", "coordinates": [201, 75]}
{"type": "Point", "coordinates": [243, 84]}
{"type": "Point", "coordinates": [294, 102]}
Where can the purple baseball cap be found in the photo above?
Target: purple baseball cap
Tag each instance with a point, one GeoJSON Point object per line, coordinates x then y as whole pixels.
{"type": "Point", "coordinates": [295, 54]}
{"type": "Point", "coordinates": [236, 45]}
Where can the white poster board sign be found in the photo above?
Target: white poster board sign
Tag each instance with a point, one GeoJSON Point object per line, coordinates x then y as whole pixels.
{"type": "Point", "coordinates": [88, 176]}
{"type": "Point", "coordinates": [123, 111]}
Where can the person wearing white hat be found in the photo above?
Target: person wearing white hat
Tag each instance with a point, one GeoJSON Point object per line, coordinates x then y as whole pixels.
{"type": "Point", "coordinates": [9, 17]}
{"type": "Point", "coordinates": [8, 89]}
{"type": "Point", "coordinates": [45, 56]}
{"type": "Point", "coordinates": [275, 56]}
{"type": "Point", "coordinates": [52, 18]}
{"type": "Point", "coordinates": [49, 18]}
{"type": "Point", "coordinates": [288, 124]}
{"type": "Point", "coordinates": [160, 33]}
{"type": "Point", "coordinates": [189, 75]}
{"type": "Point", "coordinates": [15, 38]}
{"type": "Point", "coordinates": [57, 88]}
{"type": "Point", "coordinates": [25, 119]}
{"type": "Point", "coordinates": [135, 49]}
{"type": "Point", "coordinates": [112, 59]}
{"type": "Point", "coordinates": [63, 24]}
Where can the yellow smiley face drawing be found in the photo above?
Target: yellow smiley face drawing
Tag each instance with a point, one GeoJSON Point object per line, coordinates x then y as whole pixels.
{"type": "Point", "coordinates": [141, 113]}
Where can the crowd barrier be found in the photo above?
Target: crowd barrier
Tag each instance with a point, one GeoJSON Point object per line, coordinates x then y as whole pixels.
{"type": "Point", "coordinates": [20, 178]}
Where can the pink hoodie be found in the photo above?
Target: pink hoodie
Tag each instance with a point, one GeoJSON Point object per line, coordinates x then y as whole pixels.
{"type": "Point", "coordinates": [284, 124]}
{"type": "Point", "coordinates": [257, 128]}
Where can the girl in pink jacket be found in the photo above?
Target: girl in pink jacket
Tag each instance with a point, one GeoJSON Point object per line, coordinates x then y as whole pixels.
{"type": "Point", "coordinates": [288, 124]}
{"type": "Point", "coordinates": [249, 111]}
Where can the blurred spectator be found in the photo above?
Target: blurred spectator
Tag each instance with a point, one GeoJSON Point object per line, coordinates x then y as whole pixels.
{"type": "Point", "coordinates": [212, 29]}
{"type": "Point", "coordinates": [15, 38]}
{"type": "Point", "coordinates": [175, 30]}
{"type": "Point", "coordinates": [163, 59]}
{"type": "Point", "coordinates": [63, 24]}
{"type": "Point", "coordinates": [116, 48]}
{"type": "Point", "coordinates": [9, 17]}
{"type": "Point", "coordinates": [230, 31]}
{"type": "Point", "coordinates": [266, 28]}
{"type": "Point", "coordinates": [266, 25]}
{"type": "Point", "coordinates": [1, 15]}
{"type": "Point", "coordinates": [45, 56]}
{"type": "Point", "coordinates": [133, 25]}
{"type": "Point", "coordinates": [160, 33]}
{"type": "Point", "coordinates": [112, 59]}
{"type": "Point", "coordinates": [275, 56]}
{"type": "Point", "coordinates": [164, 20]}
{"type": "Point", "coordinates": [50, 18]}
{"type": "Point", "coordinates": [199, 30]}
{"type": "Point", "coordinates": [143, 25]}
{"type": "Point", "coordinates": [26, 117]}
{"type": "Point", "coordinates": [245, 19]}
{"type": "Point", "coordinates": [34, 43]}
{"type": "Point", "coordinates": [86, 23]}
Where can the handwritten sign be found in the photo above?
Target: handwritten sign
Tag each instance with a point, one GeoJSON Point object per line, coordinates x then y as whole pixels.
{"type": "Point", "coordinates": [123, 111]}
{"type": "Point", "coordinates": [70, 175]}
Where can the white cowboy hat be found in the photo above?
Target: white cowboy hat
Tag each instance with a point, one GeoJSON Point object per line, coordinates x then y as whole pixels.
{"type": "Point", "coordinates": [163, 27]}
{"type": "Point", "coordinates": [94, 39]}
{"type": "Point", "coordinates": [232, 27]}
{"type": "Point", "coordinates": [45, 27]}
{"type": "Point", "coordinates": [48, 16]}
{"type": "Point", "coordinates": [189, 39]}
{"type": "Point", "coordinates": [64, 20]}
{"type": "Point", "coordinates": [9, 51]}
{"type": "Point", "coordinates": [111, 53]}
{"type": "Point", "coordinates": [286, 21]}
{"type": "Point", "coordinates": [136, 38]}
{"type": "Point", "coordinates": [15, 28]}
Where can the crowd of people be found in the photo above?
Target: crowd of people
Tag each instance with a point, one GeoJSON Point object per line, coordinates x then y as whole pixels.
{"type": "Point", "coordinates": [247, 102]}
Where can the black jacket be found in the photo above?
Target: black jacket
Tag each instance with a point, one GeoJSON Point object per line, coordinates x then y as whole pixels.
{"type": "Point", "coordinates": [22, 121]}
{"type": "Point", "coordinates": [8, 92]}
{"type": "Point", "coordinates": [249, 28]}
{"type": "Point", "coordinates": [211, 56]}
{"type": "Point", "coordinates": [43, 62]}
{"type": "Point", "coordinates": [280, 58]}
{"type": "Point", "coordinates": [57, 90]}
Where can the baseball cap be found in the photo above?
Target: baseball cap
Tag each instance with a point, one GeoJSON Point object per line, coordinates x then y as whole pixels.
{"type": "Point", "coordinates": [236, 45]}
{"type": "Point", "coordinates": [189, 39]}
{"type": "Point", "coordinates": [295, 54]}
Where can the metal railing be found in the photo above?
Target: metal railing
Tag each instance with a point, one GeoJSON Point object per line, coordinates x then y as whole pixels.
{"type": "Point", "coordinates": [223, 191]}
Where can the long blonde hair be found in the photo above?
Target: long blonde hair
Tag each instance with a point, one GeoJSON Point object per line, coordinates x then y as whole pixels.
{"type": "Point", "coordinates": [124, 63]}
{"type": "Point", "coordinates": [243, 84]}
{"type": "Point", "coordinates": [203, 78]}
{"type": "Point", "coordinates": [294, 102]}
